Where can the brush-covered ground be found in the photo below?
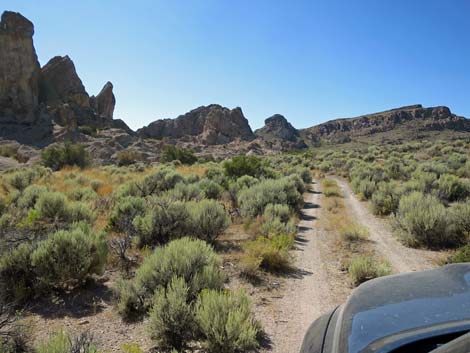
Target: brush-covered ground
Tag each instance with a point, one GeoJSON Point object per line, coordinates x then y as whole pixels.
{"type": "Point", "coordinates": [216, 256]}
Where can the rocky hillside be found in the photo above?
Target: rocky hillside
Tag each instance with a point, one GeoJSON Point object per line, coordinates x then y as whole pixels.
{"type": "Point", "coordinates": [211, 125]}
{"type": "Point", "coordinates": [277, 131]}
{"type": "Point", "coordinates": [415, 118]}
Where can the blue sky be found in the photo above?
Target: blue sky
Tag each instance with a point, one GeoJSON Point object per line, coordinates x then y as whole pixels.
{"type": "Point", "coordinates": [309, 60]}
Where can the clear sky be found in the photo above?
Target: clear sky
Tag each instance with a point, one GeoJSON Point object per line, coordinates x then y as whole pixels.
{"type": "Point", "coordinates": [309, 60]}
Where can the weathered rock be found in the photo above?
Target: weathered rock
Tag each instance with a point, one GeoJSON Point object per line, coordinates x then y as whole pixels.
{"type": "Point", "coordinates": [278, 130]}
{"type": "Point", "coordinates": [104, 102]}
{"type": "Point", "coordinates": [211, 124]}
{"type": "Point", "coordinates": [415, 117]}
{"type": "Point", "coordinates": [59, 84]}
{"type": "Point", "coordinates": [19, 70]}
{"type": "Point", "coordinates": [21, 118]}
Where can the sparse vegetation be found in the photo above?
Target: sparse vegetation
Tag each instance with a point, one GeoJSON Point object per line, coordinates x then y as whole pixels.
{"type": "Point", "coordinates": [364, 268]}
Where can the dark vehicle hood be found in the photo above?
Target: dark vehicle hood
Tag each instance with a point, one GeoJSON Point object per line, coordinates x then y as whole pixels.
{"type": "Point", "coordinates": [383, 310]}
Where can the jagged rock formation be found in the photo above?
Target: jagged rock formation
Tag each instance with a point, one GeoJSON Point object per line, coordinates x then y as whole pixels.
{"type": "Point", "coordinates": [211, 125]}
{"type": "Point", "coordinates": [413, 117]}
{"type": "Point", "coordinates": [20, 115]}
{"type": "Point", "coordinates": [104, 102]}
{"type": "Point", "coordinates": [278, 131]}
{"type": "Point", "coordinates": [38, 105]}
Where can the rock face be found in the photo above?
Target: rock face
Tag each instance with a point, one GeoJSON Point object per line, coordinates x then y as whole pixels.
{"type": "Point", "coordinates": [414, 117]}
{"type": "Point", "coordinates": [278, 130]}
{"type": "Point", "coordinates": [59, 84]}
{"type": "Point", "coordinates": [104, 102]}
{"type": "Point", "coordinates": [212, 125]}
{"type": "Point", "coordinates": [20, 115]}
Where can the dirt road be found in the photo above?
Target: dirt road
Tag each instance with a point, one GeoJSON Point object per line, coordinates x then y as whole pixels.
{"type": "Point", "coordinates": [309, 291]}
{"type": "Point", "coordinates": [402, 258]}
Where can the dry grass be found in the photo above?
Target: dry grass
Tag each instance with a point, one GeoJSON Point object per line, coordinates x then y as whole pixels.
{"type": "Point", "coordinates": [330, 188]}
{"type": "Point", "coordinates": [199, 169]}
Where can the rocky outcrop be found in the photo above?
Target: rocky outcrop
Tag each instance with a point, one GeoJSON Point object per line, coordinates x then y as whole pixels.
{"type": "Point", "coordinates": [277, 130]}
{"type": "Point", "coordinates": [211, 125]}
{"type": "Point", "coordinates": [104, 102]}
{"type": "Point", "coordinates": [21, 118]}
{"type": "Point", "coordinates": [414, 117]}
{"type": "Point", "coordinates": [59, 84]}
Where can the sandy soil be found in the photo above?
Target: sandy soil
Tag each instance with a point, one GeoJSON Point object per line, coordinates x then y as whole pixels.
{"type": "Point", "coordinates": [402, 258]}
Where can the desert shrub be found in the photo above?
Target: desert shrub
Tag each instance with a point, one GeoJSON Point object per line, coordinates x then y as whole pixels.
{"type": "Point", "coordinates": [422, 181]}
{"type": "Point", "coordinates": [172, 323]}
{"type": "Point", "coordinates": [208, 219]}
{"type": "Point", "coordinates": [385, 200]}
{"type": "Point", "coordinates": [226, 321]}
{"type": "Point", "coordinates": [156, 183]}
{"type": "Point", "coordinates": [79, 211]}
{"type": "Point", "coordinates": [184, 192]}
{"type": "Point", "coordinates": [306, 175]}
{"type": "Point", "coordinates": [124, 212]}
{"type": "Point", "coordinates": [68, 257]}
{"type": "Point", "coordinates": [210, 189]}
{"type": "Point", "coordinates": [215, 173]}
{"type": "Point", "coordinates": [128, 157]}
{"type": "Point", "coordinates": [243, 182]}
{"type": "Point", "coordinates": [242, 165]}
{"type": "Point", "coordinates": [452, 188]}
{"type": "Point", "coordinates": [331, 191]}
{"type": "Point", "coordinates": [297, 181]}
{"type": "Point", "coordinates": [22, 178]}
{"type": "Point", "coordinates": [423, 220]}
{"type": "Point", "coordinates": [461, 255]}
{"type": "Point", "coordinates": [82, 194]}
{"type": "Point", "coordinates": [16, 275]}
{"type": "Point", "coordinates": [3, 205]}
{"type": "Point", "coordinates": [30, 195]}
{"type": "Point", "coordinates": [282, 212]}
{"type": "Point", "coordinates": [365, 188]}
{"type": "Point", "coordinates": [274, 227]}
{"type": "Point", "coordinates": [58, 156]}
{"type": "Point", "coordinates": [62, 342]}
{"type": "Point", "coordinates": [271, 254]}
{"type": "Point", "coordinates": [52, 205]}
{"type": "Point", "coordinates": [192, 260]}
{"type": "Point", "coordinates": [364, 268]}
{"type": "Point", "coordinates": [96, 185]}
{"type": "Point", "coordinates": [254, 200]}
{"type": "Point", "coordinates": [163, 221]}
{"type": "Point", "coordinates": [459, 220]}
{"type": "Point", "coordinates": [353, 232]}
{"type": "Point", "coordinates": [173, 153]}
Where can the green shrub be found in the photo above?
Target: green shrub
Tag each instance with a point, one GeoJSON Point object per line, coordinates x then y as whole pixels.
{"type": "Point", "coordinates": [271, 254]}
{"type": "Point", "coordinates": [353, 232]}
{"type": "Point", "coordinates": [459, 220]}
{"type": "Point", "coordinates": [242, 165]}
{"type": "Point", "coordinates": [208, 219]}
{"type": "Point", "coordinates": [128, 157]}
{"type": "Point", "coordinates": [30, 195]}
{"type": "Point", "coordinates": [62, 342]}
{"type": "Point", "coordinates": [22, 178]}
{"type": "Point", "coordinates": [282, 212]}
{"type": "Point", "coordinates": [226, 321]}
{"type": "Point", "coordinates": [254, 200]}
{"type": "Point", "coordinates": [385, 200]}
{"type": "Point", "coordinates": [423, 220]}
{"type": "Point", "coordinates": [461, 255]}
{"type": "Point", "coordinates": [452, 188]}
{"type": "Point", "coordinates": [210, 189]}
{"type": "Point", "coordinates": [193, 260]}
{"type": "Point", "coordinates": [172, 323]}
{"type": "Point", "coordinates": [82, 194]}
{"type": "Point", "coordinates": [124, 212]}
{"type": "Point", "coordinates": [52, 205]}
{"type": "Point", "coordinates": [364, 268]}
{"type": "Point", "coordinates": [184, 192]}
{"type": "Point", "coordinates": [17, 278]}
{"type": "Point", "coordinates": [79, 211]}
{"type": "Point", "coordinates": [67, 258]}
{"type": "Point", "coordinates": [163, 180]}
{"type": "Point", "coordinates": [274, 227]}
{"type": "Point", "coordinates": [173, 153]}
{"type": "Point", "coordinates": [163, 221]}
{"type": "Point", "coordinates": [58, 156]}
